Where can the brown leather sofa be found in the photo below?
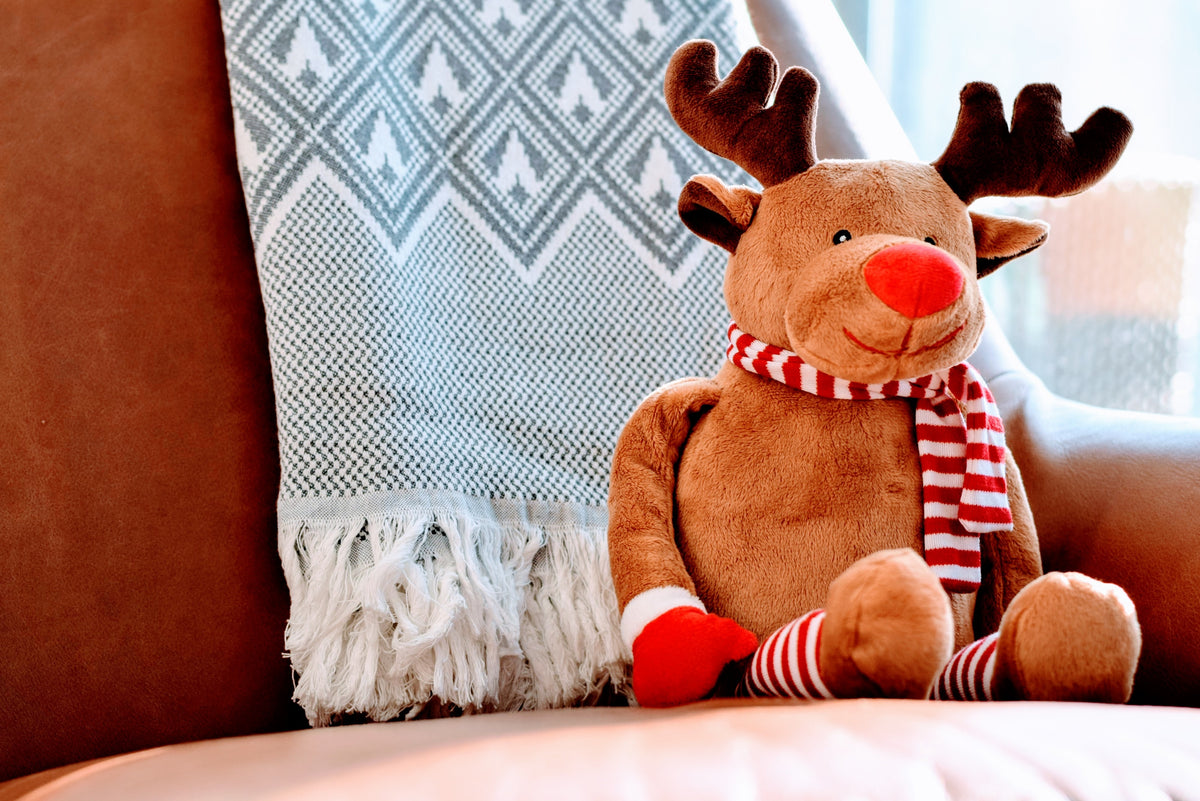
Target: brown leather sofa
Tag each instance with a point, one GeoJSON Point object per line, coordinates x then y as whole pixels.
{"type": "Point", "coordinates": [135, 391]}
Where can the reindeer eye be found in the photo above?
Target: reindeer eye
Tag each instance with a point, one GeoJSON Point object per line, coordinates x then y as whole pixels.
{"type": "Point", "coordinates": [931, 240]}
{"type": "Point", "coordinates": [841, 236]}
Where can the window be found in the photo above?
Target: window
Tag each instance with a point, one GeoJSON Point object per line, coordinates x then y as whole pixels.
{"type": "Point", "coordinates": [1108, 311]}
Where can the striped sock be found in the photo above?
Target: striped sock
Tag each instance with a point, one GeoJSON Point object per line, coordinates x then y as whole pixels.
{"type": "Point", "coordinates": [968, 674]}
{"type": "Point", "coordinates": [785, 666]}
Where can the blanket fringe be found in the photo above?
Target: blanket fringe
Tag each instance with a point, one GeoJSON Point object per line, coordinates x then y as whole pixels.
{"type": "Point", "coordinates": [392, 611]}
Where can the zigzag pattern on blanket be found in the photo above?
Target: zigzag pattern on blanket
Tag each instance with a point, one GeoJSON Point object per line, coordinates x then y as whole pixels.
{"type": "Point", "coordinates": [463, 213]}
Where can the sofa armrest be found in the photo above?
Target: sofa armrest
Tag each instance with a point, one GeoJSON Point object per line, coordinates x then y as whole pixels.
{"type": "Point", "coordinates": [855, 120]}
{"type": "Point", "coordinates": [1116, 495]}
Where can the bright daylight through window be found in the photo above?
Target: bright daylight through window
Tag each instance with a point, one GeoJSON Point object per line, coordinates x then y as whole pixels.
{"type": "Point", "coordinates": [1108, 311]}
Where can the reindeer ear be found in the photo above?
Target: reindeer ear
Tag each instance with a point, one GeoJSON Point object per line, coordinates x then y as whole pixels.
{"type": "Point", "coordinates": [1001, 239]}
{"type": "Point", "coordinates": [717, 212]}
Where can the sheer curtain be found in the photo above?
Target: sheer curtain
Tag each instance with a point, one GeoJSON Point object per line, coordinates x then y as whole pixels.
{"type": "Point", "coordinates": [1108, 311]}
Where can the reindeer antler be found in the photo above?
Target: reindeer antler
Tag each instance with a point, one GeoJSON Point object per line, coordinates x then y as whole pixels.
{"type": "Point", "coordinates": [730, 117]}
{"type": "Point", "coordinates": [1038, 156]}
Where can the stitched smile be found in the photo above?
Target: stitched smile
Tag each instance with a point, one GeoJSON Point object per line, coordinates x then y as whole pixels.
{"type": "Point", "coordinates": [903, 350]}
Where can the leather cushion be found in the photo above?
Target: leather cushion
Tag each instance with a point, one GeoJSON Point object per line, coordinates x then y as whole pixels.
{"type": "Point", "coordinates": [868, 749]}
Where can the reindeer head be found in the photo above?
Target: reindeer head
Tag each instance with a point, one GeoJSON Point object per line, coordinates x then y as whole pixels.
{"type": "Point", "coordinates": [869, 269]}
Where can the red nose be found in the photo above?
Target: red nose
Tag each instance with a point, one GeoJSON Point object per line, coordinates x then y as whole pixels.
{"type": "Point", "coordinates": [914, 279]}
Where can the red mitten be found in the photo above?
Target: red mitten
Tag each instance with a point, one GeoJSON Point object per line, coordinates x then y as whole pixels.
{"type": "Point", "coordinates": [679, 655]}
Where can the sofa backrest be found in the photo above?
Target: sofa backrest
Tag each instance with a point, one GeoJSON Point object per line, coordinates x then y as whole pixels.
{"type": "Point", "coordinates": [141, 601]}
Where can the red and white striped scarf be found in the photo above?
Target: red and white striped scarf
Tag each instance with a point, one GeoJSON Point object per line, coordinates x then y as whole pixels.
{"type": "Point", "coordinates": [960, 440]}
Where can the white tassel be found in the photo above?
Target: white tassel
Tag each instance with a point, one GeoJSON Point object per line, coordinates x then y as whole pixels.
{"type": "Point", "coordinates": [388, 612]}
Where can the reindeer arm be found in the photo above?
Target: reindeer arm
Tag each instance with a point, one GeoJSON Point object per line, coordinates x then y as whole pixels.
{"type": "Point", "coordinates": [1010, 560]}
{"type": "Point", "coordinates": [641, 501]}
{"type": "Point", "coordinates": [679, 649]}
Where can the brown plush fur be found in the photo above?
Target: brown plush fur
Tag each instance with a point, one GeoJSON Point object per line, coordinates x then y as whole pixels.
{"type": "Point", "coordinates": [763, 530]}
{"type": "Point", "coordinates": [716, 212]}
{"type": "Point", "coordinates": [787, 283]}
{"type": "Point", "coordinates": [1068, 637]}
{"type": "Point", "coordinates": [1010, 561]}
{"type": "Point", "coordinates": [642, 494]}
{"type": "Point", "coordinates": [885, 604]}
{"type": "Point", "coordinates": [1001, 239]}
{"type": "Point", "coordinates": [768, 502]}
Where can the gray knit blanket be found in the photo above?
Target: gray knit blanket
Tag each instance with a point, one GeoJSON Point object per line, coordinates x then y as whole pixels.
{"type": "Point", "coordinates": [464, 223]}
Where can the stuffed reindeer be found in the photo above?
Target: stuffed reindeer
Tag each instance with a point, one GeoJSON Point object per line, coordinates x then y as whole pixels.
{"type": "Point", "coordinates": [840, 492]}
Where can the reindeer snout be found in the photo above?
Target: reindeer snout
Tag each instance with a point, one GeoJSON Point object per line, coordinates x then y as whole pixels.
{"type": "Point", "coordinates": [914, 279]}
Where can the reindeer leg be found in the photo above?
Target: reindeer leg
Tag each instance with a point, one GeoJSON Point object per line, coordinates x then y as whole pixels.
{"type": "Point", "coordinates": [1067, 637]}
{"type": "Point", "coordinates": [886, 631]}
{"type": "Point", "coordinates": [970, 674]}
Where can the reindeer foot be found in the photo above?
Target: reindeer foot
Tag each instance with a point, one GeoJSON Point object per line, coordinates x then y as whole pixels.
{"type": "Point", "coordinates": [888, 628]}
{"type": "Point", "coordinates": [1067, 637]}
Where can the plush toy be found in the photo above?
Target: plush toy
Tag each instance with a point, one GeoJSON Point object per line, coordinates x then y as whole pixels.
{"type": "Point", "coordinates": [840, 492]}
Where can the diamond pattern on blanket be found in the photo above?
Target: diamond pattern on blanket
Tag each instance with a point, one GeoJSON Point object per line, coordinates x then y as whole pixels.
{"type": "Point", "coordinates": [463, 214]}
{"type": "Point", "coordinates": [578, 86]}
{"type": "Point", "coordinates": [394, 167]}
